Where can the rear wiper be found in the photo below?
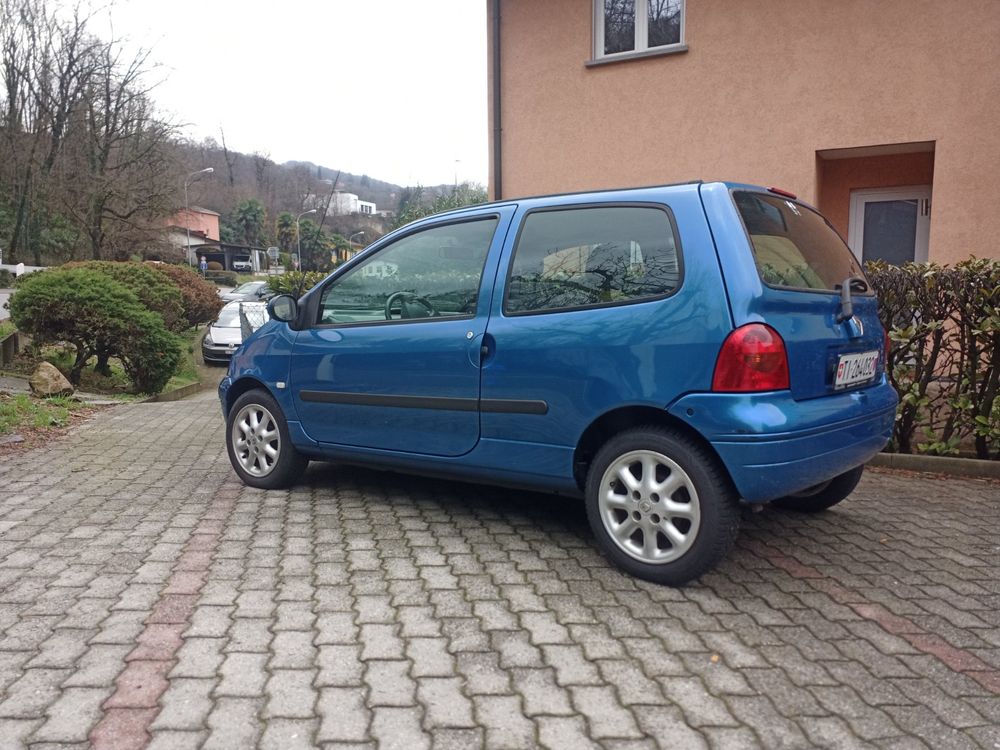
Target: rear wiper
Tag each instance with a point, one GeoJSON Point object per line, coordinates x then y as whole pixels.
{"type": "Point", "coordinates": [851, 283]}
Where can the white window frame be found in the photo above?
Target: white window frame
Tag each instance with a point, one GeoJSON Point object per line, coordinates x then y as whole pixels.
{"type": "Point", "coordinates": [642, 48]}
{"type": "Point", "coordinates": [856, 221]}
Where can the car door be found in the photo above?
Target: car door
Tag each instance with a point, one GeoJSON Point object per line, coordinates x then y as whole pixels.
{"type": "Point", "coordinates": [391, 360]}
{"type": "Point", "coordinates": [594, 316]}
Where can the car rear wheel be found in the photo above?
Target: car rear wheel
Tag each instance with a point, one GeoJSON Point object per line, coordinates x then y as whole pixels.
{"type": "Point", "coordinates": [661, 506]}
{"type": "Point", "coordinates": [258, 443]}
{"type": "Point", "coordinates": [822, 496]}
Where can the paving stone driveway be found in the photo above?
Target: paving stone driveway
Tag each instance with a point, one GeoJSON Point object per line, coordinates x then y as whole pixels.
{"type": "Point", "coordinates": [147, 598]}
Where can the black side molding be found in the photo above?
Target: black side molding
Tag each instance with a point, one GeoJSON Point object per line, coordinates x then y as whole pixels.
{"type": "Point", "coordinates": [491, 405]}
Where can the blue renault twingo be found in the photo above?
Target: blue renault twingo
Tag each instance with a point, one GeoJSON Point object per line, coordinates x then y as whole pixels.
{"type": "Point", "coordinates": [664, 352]}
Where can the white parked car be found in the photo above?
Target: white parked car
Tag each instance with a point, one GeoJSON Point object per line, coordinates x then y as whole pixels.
{"type": "Point", "coordinates": [225, 335]}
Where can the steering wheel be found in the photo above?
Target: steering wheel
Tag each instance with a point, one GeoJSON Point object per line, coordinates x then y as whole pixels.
{"type": "Point", "coordinates": [405, 298]}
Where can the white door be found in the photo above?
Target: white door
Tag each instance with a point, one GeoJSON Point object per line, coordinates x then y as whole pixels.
{"type": "Point", "coordinates": [890, 224]}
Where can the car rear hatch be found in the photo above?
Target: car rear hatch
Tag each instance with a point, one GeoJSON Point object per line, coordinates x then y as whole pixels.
{"type": "Point", "coordinates": [833, 338]}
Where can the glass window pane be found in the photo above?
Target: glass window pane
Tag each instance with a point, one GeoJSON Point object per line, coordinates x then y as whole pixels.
{"type": "Point", "coordinates": [890, 231]}
{"type": "Point", "coordinates": [664, 22]}
{"type": "Point", "coordinates": [433, 273]}
{"type": "Point", "coordinates": [619, 26]}
{"type": "Point", "coordinates": [793, 246]}
{"type": "Point", "coordinates": [592, 256]}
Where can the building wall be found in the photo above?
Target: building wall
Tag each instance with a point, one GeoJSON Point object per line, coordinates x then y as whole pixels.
{"type": "Point", "coordinates": [197, 221]}
{"type": "Point", "coordinates": [344, 203]}
{"type": "Point", "coordinates": [763, 87]}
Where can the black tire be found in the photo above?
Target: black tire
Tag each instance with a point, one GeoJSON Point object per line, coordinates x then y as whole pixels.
{"type": "Point", "coordinates": [822, 496]}
{"type": "Point", "coordinates": [284, 468]}
{"type": "Point", "coordinates": [714, 505]}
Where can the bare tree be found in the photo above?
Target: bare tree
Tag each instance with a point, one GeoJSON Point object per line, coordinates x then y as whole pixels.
{"type": "Point", "coordinates": [83, 150]}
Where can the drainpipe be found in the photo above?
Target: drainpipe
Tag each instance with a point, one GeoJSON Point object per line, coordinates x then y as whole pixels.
{"type": "Point", "coordinates": [497, 127]}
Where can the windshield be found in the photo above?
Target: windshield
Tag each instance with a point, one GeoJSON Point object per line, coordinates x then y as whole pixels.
{"type": "Point", "coordinates": [250, 286]}
{"type": "Point", "coordinates": [229, 317]}
{"type": "Point", "coordinates": [793, 246]}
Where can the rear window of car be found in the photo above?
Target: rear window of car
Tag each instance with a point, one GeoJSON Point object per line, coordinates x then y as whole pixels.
{"type": "Point", "coordinates": [590, 257]}
{"type": "Point", "coordinates": [794, 246]}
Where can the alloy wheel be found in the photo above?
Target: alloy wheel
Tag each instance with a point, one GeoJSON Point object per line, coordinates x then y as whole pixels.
{"type": "Point", "coordinates": [649, 507]}
{"type": "Point", "coordinates": [256, 440]}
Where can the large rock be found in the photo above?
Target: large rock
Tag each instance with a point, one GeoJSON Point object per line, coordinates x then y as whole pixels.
{"type": "Point", "coordinates": [46, 380]}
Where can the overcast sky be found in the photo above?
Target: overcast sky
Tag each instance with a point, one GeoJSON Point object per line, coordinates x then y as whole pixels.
{"type": "Point", "coordinates": [392, 88]}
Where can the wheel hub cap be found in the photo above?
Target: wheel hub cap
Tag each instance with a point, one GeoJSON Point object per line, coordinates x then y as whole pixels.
{"type": "Point", "coordinates": [255, 439]}
{"type": "Point", "coordinates": [649, 507]}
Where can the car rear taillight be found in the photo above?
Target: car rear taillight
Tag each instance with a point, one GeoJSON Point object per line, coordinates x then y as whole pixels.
{"type": "Point", "coordinates": [752, 358]}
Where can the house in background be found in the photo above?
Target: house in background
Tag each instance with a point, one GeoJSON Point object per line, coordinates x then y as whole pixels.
{"type": "Point", "coordinates": [882, 113]}
{"type": "Point", "coordinates": [190, 228]}
{"type": "Point", "coordinates": [349, 203]}
{"type": "Point", "coordinates": [195, 231]}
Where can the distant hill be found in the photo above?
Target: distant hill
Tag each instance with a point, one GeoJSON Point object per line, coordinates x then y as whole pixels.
{"type": "Point", "coordinates": [385, 195]}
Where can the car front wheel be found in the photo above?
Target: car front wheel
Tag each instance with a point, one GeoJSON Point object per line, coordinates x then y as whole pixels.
{"type": "Point", "coordinates": [259, 447]}
{"type": "Point", "coordinates": [661, 506]}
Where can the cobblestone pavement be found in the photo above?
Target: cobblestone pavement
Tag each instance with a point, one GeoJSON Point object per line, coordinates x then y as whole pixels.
{"type": "Point", "coordinates": [148, 599]}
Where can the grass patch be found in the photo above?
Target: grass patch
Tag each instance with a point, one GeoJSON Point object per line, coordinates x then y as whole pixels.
{"type": "Point", "coordinates": [22, 412]}
{"type": "Point", "coordinates": [187, 369]}
{"type": "Point", "coordinates": [6, 328]}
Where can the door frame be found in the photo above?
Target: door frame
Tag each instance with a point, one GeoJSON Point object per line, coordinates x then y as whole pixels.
{"type": "Point", "coordinates": [856, 222]}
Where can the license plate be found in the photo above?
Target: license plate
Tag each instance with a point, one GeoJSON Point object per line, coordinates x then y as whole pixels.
{"type": "Point", "coordinates": [855, 368]}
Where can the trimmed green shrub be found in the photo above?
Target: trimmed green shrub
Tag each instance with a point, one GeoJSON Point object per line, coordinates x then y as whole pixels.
{"type": "Point", "coordinates": [154, 290]}
{"type": "Point", "coordinates": [6, 279]}
{"type": "Point", "coordinates": [944, 358]}
{"type": "Point", "coordinates": [150, 354]}
{"type": "Point", "coordinates": [99, 317]}
{"type": "Point", "coordinates": [200, 297]}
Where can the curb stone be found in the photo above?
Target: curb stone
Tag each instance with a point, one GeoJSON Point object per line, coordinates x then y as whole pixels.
{"type": "Point", "coordinates": [962, 467]}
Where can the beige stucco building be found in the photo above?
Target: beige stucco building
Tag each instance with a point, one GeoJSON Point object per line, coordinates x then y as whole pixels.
{"type": "Point", "coordinates": [883, 113]}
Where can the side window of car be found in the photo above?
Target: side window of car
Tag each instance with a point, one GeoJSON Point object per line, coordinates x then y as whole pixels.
{"type": "Point", "coordinates": [591, 257]}
{"type": "Point", "coordinates": [432, 273]}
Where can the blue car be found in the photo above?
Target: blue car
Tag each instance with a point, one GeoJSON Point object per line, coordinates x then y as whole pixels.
{"type": "Point", "coordinates": [665, 353]}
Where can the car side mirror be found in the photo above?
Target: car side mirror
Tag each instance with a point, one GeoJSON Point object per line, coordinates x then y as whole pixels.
{"type": "Point", "coordinates": [283, 308]}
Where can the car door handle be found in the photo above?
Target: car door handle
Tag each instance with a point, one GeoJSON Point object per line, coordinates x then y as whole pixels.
{"type": "Point", "coordinates": [487, 349]}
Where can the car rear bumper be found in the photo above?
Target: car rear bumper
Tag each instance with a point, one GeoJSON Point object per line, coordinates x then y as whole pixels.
{"type": "Point", "coordinates": [773, 445]}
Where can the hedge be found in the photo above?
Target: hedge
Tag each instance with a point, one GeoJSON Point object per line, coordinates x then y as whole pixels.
{"type": "Point", "coordinates": [944, 358]}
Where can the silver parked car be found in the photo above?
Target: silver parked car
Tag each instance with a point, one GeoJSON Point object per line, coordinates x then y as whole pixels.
{"type": "Point", "coordinates": [225, 335]}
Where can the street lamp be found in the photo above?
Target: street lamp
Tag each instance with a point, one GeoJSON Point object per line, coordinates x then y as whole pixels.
{"type": "Point", "coordinates": [187, 220]}
{"type": "Point", "coordinates": [350, 240]}
{"type": "Point", "coordinates": [298, 238]}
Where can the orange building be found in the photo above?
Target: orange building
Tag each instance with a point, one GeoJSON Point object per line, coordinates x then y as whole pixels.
{"type": "Point", "coordinates": [199, 221]}
{"type": "Point", "coordinates": [885, 114]}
